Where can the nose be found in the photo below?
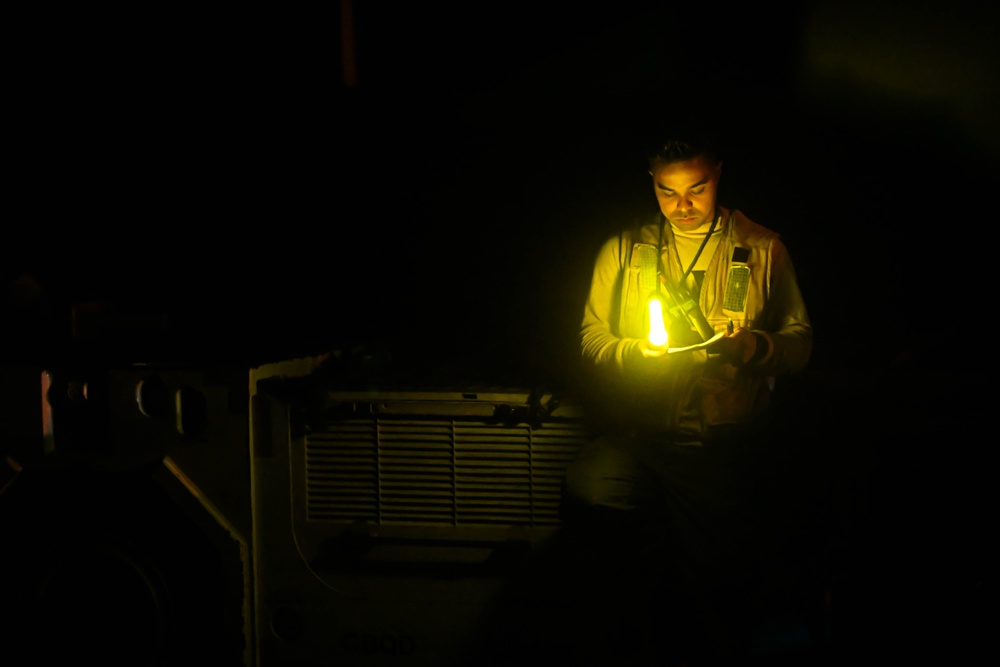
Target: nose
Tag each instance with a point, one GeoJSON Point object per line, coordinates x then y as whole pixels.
{"type": "Point", "coordinates": [683, 203]}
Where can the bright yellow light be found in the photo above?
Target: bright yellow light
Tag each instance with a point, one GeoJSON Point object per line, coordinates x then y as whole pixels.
{"type": "Point", "coordinates": [657, 331]}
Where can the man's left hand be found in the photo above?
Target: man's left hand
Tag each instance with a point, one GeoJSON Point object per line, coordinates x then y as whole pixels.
{"type": "Point", "coordinates": [736, 348]}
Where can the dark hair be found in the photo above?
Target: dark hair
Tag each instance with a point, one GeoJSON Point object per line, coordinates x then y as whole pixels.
{"type": "Point", "coordinates": [685, 146]}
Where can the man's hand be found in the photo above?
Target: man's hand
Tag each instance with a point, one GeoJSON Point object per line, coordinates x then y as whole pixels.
{"type": "Point", "coordinates": [651, 351]}
{"type": "Point", "coordinates": [737, 348]}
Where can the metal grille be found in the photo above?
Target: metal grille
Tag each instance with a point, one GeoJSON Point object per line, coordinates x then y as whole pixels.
{"type": "Point", "coordinates": [736, 288]}
{"type": "Point", "coordinates": [438, 472]}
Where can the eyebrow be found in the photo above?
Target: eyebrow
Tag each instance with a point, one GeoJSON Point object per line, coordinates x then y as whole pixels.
{"type": "Point", "coordinates": [690, 187]}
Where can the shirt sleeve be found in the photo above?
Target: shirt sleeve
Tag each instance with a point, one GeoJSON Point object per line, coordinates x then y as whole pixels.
{"type": "Point", "coordinates": [601, 341]}
{"type": "Point", "coordinates": [787, 326]}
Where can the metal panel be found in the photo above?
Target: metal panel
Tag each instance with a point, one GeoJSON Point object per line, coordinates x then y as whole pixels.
{"type": "Point", "coordinates": [458, 472]}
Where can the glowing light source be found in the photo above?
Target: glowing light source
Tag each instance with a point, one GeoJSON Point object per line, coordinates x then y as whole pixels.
{"type": "Point", "coordinates": [657, 331]}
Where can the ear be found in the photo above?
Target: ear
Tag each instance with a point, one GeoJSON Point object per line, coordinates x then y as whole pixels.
{"type": "Point", "coordinates": [718, 170]}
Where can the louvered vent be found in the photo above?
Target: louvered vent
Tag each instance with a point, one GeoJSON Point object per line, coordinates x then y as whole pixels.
{"type": "Point", "coordinates": [438, 472]}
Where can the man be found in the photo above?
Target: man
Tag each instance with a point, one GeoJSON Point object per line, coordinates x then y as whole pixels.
{"type": "Point", "coordinates": [671, 492]}
{"type": "Point", "coordinates": [737, 272]}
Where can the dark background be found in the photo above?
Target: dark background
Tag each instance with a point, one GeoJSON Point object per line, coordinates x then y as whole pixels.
{"type": "Point", "coordinates": [230, 187]}
{"type": "Point", "coordinates": [444, 193]}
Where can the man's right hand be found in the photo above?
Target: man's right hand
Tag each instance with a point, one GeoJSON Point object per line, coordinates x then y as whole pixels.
{"type": "Point", "coordinates": [651, 351]}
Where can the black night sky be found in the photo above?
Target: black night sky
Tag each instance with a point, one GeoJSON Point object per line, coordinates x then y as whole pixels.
{"type": "Point", "coordinates": [213, 180]}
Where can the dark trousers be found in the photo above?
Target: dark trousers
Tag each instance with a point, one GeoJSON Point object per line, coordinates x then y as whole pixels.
{"type": "Point", "coordinates": [681, 542]}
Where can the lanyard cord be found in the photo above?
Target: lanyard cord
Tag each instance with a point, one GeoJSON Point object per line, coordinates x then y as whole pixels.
{"type": "Point", "coordinates": [685, 304]}
{"type": "Point", "coordinates": [704, 242]}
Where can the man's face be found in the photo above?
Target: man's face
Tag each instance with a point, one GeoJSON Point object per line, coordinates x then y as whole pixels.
{"type": "Point", "coordinates": [686, 191]}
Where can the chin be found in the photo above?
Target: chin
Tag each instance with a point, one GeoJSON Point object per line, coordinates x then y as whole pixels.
{"type": "Point", "coordinates": [688, 225]}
